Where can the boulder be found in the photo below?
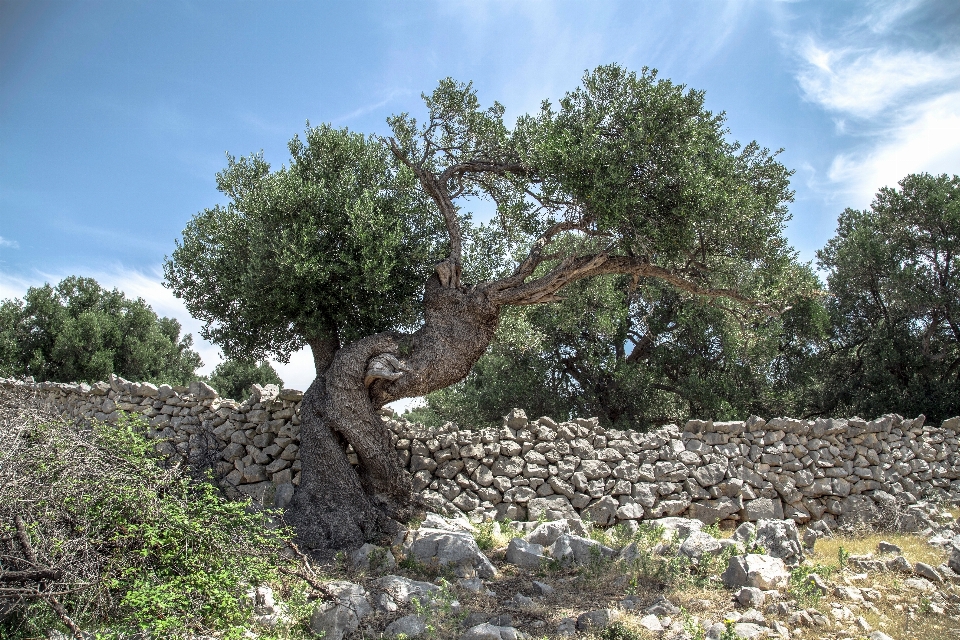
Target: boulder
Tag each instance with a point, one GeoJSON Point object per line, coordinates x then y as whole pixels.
{"type": "Point", "coordinates": [454, 549]}
{"type": "Point", "coordinates": [699, 544]}
{"type": "Point", "coordinates": [487, 631]}
{"type": "Point", "coordinates": [403, 590]}
{"type": "Point", "coordinates": [370, 557]}
{"type": "Point", "coordinates": [781, 539]}
{"type": "Point", "coordinates": [528, 555]}
{"type": "Point", "coordinates": [547, 533]}
{"type": "Point", "coordinates": [755, 570]}
{"type": "Point", "coordinates": [597, 619]}
{"type": "Point", "coordinates": [342, 615]}
{"type": "Point", "coordinates": [411, 626]}
{"type": "Point", "coordinates": [572, 549]}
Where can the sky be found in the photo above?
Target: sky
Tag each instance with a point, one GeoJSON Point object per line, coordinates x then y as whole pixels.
{"type": "Point", "coordinates": [116, 116]}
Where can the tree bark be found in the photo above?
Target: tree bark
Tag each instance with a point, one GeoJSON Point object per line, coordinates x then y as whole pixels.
{"type": "Point", "coordinates": [339, 506]}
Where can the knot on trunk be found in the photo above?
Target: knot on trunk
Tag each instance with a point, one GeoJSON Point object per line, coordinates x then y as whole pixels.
{"type": "Point", "coordinates": [449, 271]}
{"type": "Point", "coordinates": [385, 366]}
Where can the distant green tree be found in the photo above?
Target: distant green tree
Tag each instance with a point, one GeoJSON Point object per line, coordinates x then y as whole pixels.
{"type": "Point", "coordinates": [232, 378]}
{"type": "Point", "coordinates": [81, 332]}
{"type": "Point", "coordinates": [638, 357]}
{"type": "Point", "coordinates": [894, 277]}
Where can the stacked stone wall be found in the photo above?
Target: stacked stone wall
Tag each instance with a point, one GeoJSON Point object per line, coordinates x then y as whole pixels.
{"type": "Point", "coordinates": [727, 472]}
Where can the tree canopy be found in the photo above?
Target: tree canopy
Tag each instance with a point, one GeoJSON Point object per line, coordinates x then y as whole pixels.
{"type": "Point", "coordinates": [627, 174]}
{"type": "Point", "coordinates": [232, 378]}
{"type": "Point", "coordinates": [78, 331]}
{"type": "Point", "coordinates": [337, 245]}
{"type": "Point", "coordinates": [894, 276]}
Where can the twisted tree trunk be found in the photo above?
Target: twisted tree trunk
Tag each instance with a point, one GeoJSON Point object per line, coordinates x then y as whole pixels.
{"type": "Point", "coordinates": [338, 505]}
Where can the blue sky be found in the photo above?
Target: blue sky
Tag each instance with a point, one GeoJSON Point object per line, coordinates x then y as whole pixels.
{"type": "Point", "coordinates": [115, 116]}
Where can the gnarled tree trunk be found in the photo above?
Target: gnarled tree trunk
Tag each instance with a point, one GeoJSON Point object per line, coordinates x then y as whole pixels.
{"type": "Point", "coordinates": [341, 506]}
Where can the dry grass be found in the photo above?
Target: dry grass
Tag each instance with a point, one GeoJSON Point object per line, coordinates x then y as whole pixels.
{"type": "Point", "coordinates": [915, 548]}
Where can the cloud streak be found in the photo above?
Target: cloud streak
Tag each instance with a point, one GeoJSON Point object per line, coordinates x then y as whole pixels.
{"type": "Point", "coordinates": [897, 105]}
{"type": "Point", "coordinates": [10, 244]}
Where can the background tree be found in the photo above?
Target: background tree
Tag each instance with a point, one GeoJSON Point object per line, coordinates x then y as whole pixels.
{"type": "Point", "coordinates": [232, 378]}
{"type": "Point", "coordinates": [894, 277]}
{"type": "Point", "coordinates": [78, 331]}
{"type": "Point", "coordinates": [637, 357]}
{"type": "Point", "coordinates": [361, 249]}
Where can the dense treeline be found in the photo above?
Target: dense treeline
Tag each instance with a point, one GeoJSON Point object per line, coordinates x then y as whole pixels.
{"type": "Point", "coordinates": [77, 331]}
{"type": "Point", "coordinates": [883, 337]}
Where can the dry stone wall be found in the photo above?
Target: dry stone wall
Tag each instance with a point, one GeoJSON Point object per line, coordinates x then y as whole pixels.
{"type": "Point", "coordinates": [727, 472]}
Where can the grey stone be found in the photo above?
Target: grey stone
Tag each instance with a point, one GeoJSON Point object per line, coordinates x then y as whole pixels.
{"type": "Point", "coordinates": [597, 619]}
{"type": "Point", "coordinates": [547, 533]}
{"type": "Point", "coordinates": [754, 570]}
{"type": "Point", "coordinates": [370, 557]}
{"type": "Point", "coordinates": [487, 631]}
{"type": "Point", "coordinates": [781, 539]}
{"type": "Point", "coordinates": [457, 550]}
{"type": "Point", "coordinates": [651, 623]}
{"type": "Point", "coordinates": [554, 507]}
{"type": "Point", "coordinates": [603, 511]}
{"type": "Point", "coordinates": [528, 555]}
{"type": "Point", "coordinates": [542, 588]}
{"type": "Point", "coordinates": [751, 597]}
{"type": "Point", "coordinates": [411, 626]}
{"type": "Point", "coordinates": [926, 571]}
{"type": "Point", "coordinates": [571, 549]}
{"type": "Point", "coordinates": [404, 590]}
{"type": "Point", "coordinates": [888, 547]}
{"type": "Point", "coordinates": [699, 544]}
{"type": "Point", "coordinates": [333, 621]}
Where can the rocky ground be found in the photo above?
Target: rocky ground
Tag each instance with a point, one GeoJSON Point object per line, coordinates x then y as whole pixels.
{"type": "Point", "coordinates": [671, 579]}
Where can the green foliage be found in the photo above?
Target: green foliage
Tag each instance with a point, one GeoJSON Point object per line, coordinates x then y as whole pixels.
{"type": "Point", "coordinates": [894, 277]}
{"type": "Point", "coordinates": [80, 332]}
{"type": "Point", "coordinates": [636, 356]}
{"type": "Point", "coordinates": [232, 378]}
{"type": "Point", "coordinates": [144, 549]}
{"type": "Point", "coordinates": [619, 631]}
{"type": "Point", "coordinates": [339, 245]}
{"type": "Point", "coordinates": [806, 593]}
{"type": "Point", "coordinates": [334, 247]}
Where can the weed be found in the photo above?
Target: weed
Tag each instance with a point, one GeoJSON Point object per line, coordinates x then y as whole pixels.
{"type": "Point", "coordinates": [842, 556]}
{"type": "Point", "coordinates": [619, 631]}
{"type": "Point", "coordinates": [486, 535]}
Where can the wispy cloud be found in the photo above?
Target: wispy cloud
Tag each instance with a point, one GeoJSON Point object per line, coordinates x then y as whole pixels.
{"type": "Point", "coordinates": [11, 244]}
{"type": "Point", "coordinates": [895, 100]}
{"type": "Point", "coordinates": [864, 83]}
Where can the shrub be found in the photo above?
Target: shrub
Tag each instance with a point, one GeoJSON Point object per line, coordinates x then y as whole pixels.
{"type": "Point", "coordinates": [132, 545]}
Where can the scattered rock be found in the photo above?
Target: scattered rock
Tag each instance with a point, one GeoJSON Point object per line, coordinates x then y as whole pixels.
{"type": "Point", "coordinates": [526, 554]}
{"type": "Point", "coordinates": [754, 570]}
{"type": "Point", "coordinates": [571, 549]}
{"type": "Point", "coordinates": [596, 620]}
{"type": "Point", "coordinates": [411, 626]}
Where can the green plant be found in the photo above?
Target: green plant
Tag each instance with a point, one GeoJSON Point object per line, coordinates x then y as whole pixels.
{"type": "Point", "coordinates": [805, 591]}
{"type": "Point", "coordinates": [485, 533]}
{"type": "Point", "coordinates": [729, 630]}
{"type": "Point", "coordinates": [140, 547]}
{"type": "Point", "coordinates": [619, 631]}
{"type": "Point", "coordinates": [692, 627]}
{"type": "Point", "coordinates": [843, 556]}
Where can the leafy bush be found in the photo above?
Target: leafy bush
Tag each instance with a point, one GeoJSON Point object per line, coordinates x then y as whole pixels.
{"type": "Point", "coordinates": [131, 545]}
{"type": "Point", "coordinates": [232, 378]}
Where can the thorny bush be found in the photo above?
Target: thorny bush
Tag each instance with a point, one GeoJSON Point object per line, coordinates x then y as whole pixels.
{"type": "Point", "coordinates": [96, 532]}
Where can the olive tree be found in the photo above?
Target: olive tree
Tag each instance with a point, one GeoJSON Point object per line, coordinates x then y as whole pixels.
{"type": "Point", "coordinates": [363, 248]}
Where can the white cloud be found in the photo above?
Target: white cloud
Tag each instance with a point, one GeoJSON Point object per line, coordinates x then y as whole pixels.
{"type": "Point", "coordinates": [865, 83]}
{"type": "Point", "coordinates": [896, 107]}
{"type": "Point", "coordinates": [13, 244]}
{"type": "Point", "coordinates": [928, 140]}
